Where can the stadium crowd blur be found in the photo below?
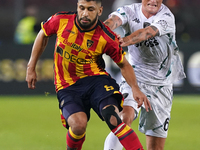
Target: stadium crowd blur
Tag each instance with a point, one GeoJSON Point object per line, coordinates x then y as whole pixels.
{"type": "Point", "coordinates": [11, 12]}
{"type": "Point", "coordinates": [19, 17]}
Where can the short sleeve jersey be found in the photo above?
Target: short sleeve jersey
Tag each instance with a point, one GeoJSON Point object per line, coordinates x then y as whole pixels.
{"type": "Point", "coordinates": [77, 52]}
{"type": "Point", "coordinates": [155, 61]}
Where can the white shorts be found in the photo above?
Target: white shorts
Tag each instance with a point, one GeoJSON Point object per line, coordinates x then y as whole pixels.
{"type": "Point", "coordinates": [155, 122]}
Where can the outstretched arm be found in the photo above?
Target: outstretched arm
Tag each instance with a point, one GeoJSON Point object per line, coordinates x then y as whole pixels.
{"type": "Point", "coordinates": [139, 36]}
{"type": "Point", "coordinates": [113, 22]}
{"type": "Point", "coordinates": [38, 48]}
{"type": "Point", "coordinates": [129, 75]}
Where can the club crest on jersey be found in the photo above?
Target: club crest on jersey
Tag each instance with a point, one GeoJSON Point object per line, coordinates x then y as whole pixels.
{"type": "Point", "coordinates": [89, 43]}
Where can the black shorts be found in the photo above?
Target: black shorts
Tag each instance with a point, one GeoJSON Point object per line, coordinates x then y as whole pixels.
{"type": "Point", "coordinates": [91, 92]}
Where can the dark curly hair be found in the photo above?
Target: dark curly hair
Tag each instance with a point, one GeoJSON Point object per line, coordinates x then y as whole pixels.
{"type": "Point", "coordinates": [98, 1]}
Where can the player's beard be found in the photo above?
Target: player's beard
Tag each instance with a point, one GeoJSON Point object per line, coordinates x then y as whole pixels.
{"type": "Point", "coordinates": [86, 26]}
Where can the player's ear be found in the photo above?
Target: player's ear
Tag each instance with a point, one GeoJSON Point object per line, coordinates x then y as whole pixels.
{"type": "Point", "coordinates": [100, 11]}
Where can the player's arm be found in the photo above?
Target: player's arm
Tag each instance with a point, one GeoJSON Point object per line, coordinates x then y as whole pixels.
{"type": "Point", "coordinates": [129, 75]}
{"type": "Point", "coordinates": [113, 22]}
{"type": "Point", "coordinates": [139, 36]}
{"type": "Point", "coordinates": [38, 48]}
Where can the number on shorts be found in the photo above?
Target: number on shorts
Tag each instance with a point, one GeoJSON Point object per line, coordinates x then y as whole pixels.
{"type": "Point", "coordinates": [166, 124]}
{"type": "Point", "coordinates": [108, 88]}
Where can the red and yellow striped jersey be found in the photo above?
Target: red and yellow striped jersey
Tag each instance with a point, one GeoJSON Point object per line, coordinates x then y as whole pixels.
{"type": "Point", "coordinates": [76, 51]}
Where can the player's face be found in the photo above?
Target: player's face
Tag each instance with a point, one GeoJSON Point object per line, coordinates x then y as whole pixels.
{"type": "Point", "coordinates": [151, 7]}
{"type": "Point", "coordinates": [88, 13]}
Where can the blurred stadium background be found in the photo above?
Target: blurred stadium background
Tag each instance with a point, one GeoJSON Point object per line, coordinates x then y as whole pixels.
{"type": "Point", "coordinates": [14, 56]}
{"type": "Point", "coordinates": [29, 121]}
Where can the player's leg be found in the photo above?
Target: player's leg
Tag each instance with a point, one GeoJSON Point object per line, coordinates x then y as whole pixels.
{"type": "Point", "coordinates": [155, 143]}
{"type": "Point", "coordinates": [112, 142]}
{"type": "Point", "coordinates": [73, 118]}
{"type": "Point", "coordinates": [128, 114]}
{"type": "Point", "coordinates": [123, 132]}
{"type": "Point", "coordinates": [155, 129]}
{"type": "Point", "coordinates": [155, 123]}
{"type": "Point", "coordinates": [76, 134]}
{"type": "Point", "coordinates": [106, 100]}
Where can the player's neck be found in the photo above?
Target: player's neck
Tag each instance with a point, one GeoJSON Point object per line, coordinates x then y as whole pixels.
{"type": "Point", "coordinates": [147, 14]}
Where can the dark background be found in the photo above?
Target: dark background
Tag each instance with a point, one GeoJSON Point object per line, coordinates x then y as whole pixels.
{"type": "Point", "coordinates": [14, 57]}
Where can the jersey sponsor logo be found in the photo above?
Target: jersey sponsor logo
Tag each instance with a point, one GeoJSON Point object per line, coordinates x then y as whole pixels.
{"type": "Point", "coordinates": [73, 45]}
{"type": "Point", "coordinates": [76, 46]}
{"type": "Point", "coordinates": [136, 20]}
{"type": "Point", "coordinates": [148, 43]}
{"type": "Point", "coordinates": [89, 43]}
{"type": "Point", "coordinates": [74, 59]}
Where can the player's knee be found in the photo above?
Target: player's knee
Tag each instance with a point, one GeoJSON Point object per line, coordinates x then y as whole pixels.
{"type": "Point", "coordinates": [111, 117]}
{"type": "Point", "coordinates": [78, 124]}
{"type": "Point", "coordinates": [78, 128]}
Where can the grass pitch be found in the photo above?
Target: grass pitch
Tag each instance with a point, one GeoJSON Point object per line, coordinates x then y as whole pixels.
{"type": "Point", "coordinates": [33, 123]}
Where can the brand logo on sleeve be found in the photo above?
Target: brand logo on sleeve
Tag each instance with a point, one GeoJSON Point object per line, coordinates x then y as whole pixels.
{"type": "Point", "coordinates": [167, 14]}
{"type": "Point", "coordinates": [136, 20]}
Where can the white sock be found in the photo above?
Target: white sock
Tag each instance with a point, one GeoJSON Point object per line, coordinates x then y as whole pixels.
{"type": "Point", "coordinates": [112, 142]}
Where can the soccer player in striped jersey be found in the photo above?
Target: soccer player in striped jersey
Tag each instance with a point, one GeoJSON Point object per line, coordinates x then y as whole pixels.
{"type": "Point", "coordinates": [150, 36]}
{"type": "Point", "coordinates": [81, 81]}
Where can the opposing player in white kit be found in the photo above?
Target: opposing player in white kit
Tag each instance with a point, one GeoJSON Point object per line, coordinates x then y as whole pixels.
{"type": "Point", "coordinates": [149, 29]}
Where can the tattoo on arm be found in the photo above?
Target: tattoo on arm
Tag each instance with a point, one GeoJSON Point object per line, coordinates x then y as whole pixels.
{"type": "Point", "coordinates": [136, 38]}
{"type": "Point", "coordinates": [148, 35]}
{"type": "Point", "coordinates": [141, 35]}
{"type": "Point", "coordinates": [145, 34]}
{"type": "Point", "coordinates": [113, 22]}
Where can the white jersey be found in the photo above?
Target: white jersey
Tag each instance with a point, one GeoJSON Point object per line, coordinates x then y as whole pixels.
{"type": "Point", "coordinates": [155, 61]}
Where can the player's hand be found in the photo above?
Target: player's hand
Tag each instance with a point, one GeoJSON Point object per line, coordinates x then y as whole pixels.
{"type": "Point", "coordinates": [31, 78]}
{"type": "Point", "coordinates": [125, 41]}
{"type": "Point", "coordinates": [119, 38]}
{"type": "Point", "coordinates": [141, 99]}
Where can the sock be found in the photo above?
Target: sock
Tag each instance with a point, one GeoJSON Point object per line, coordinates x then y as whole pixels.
{"type": "Point", "coordinates": [74, 142]}
{"type": "Point", "coordinates": [127, 137]}
{"type": "Point", "coordinates": [112, 143]}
